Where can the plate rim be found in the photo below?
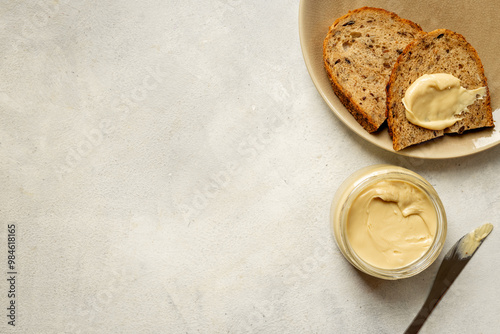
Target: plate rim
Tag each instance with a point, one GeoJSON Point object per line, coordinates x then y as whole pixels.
{"type": "Point", "coordinates": [406, 152]}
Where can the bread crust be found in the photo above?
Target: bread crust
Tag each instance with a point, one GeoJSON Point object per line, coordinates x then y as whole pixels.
{"type": "Point", "coordinates": [457, 51]}
{"type": "Point", "coordinates": [365, 117]}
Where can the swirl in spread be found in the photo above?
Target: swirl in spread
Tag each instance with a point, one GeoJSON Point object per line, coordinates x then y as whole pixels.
{"type": "Point", "coordinates": [434, 101]}
{"type": "Point", "coordinates": [391, 224]}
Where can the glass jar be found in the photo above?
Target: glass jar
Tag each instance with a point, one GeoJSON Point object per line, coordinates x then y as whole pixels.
{"type": "Point", "coordinates": [349, 191]}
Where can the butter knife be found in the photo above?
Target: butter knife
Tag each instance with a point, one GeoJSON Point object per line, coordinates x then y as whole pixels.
{"type": "Point", "coordinates": [453, 263]}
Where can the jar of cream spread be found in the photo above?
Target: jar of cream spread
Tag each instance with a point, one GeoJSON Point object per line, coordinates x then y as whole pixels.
{"type": "Point", "coordinates": [388, 221]}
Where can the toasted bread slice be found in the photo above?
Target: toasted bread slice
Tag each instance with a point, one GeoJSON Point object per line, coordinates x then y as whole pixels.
{"type": "Point", "coordinates": [359, 53]}
{"type": "Point", "coordinates": [439, 51]}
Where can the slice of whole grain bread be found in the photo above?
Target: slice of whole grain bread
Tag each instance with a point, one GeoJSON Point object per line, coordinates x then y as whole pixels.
{"type": "Point", "coordinates": [359, 53]}
{"type": "Point", "coordinates": [439, 51]}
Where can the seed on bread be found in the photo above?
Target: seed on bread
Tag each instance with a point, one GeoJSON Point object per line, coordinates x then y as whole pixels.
{"type": "Point", "coordinates": [439, 51]}
{"type": "Point", "coordinates": [359, 53]}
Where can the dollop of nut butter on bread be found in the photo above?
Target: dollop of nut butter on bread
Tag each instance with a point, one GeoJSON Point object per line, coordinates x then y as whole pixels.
{"type": "Point", "coordinates": [439, 51]}
{"type": "Point", "coordinates": [359, 53]}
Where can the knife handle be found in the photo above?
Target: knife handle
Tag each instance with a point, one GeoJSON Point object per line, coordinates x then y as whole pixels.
{"type": "Point", "coordinates": [447, 273]}
{"type": "Point", "coordinates": [421, 317]}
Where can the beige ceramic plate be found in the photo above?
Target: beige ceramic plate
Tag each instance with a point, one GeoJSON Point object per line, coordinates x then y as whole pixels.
{"type": "Point", "coordinates": [477, 21]}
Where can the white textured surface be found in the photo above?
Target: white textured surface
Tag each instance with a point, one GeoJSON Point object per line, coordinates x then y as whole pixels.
{"type": "Point", "coordinates": [169, 166]}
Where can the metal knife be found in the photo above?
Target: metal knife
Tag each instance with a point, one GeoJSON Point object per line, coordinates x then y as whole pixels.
{"type": "Point", "coordinates": [453, 263]}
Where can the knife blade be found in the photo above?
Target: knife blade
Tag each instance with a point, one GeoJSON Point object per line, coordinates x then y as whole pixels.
{"type": "Point", "coordinates": [453, 263]}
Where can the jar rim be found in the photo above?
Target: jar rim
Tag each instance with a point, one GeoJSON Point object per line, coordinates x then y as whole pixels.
{"type": "Point", "coordinates": [395, 173]}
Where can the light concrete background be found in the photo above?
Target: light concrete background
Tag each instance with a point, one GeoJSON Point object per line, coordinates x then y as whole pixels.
{"type": "Point", "coordinates": [169, 167]}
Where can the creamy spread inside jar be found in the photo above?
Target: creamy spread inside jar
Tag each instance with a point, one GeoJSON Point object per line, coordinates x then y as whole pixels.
{"type": "Point", "coordinates": [388, 221]}
{"type": "Point", "coordinates": [391, 224]}
{"type": "Point", "coordinates": [434, 101]}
